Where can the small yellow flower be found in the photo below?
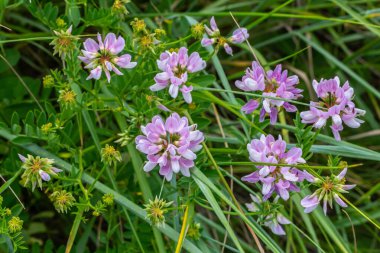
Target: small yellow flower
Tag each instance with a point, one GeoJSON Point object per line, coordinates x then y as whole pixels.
{"type": "Point", "coordinates": [108, 199]}
{"type": "Point", "coordinates": [67, 98]}
{"type": "Point", "coordinates": [146, 41]}
{"type": "Point", "coordinates": [110, 155]}
{"type": "Point", "coordinates": [138, 25]}
{"type": "Point", "coordinates": [8, 212]}
{"type": "Point", "coordinates": [194, 231]}
{"type": "Point", "coordinates": [15, 224]}
{"type": "Point", "coordinates": [155, 211]}
{"type": "Point", "coordinates": [159, 33]}
{"type": "Point", "coordinates": [48, 81]}
{"type": "Point", "coordinates": [62, 200]}
{"type": "Point", "coordinates": [46, 128]}
{"type": "Point", "coordinates": [118, 6]}
{"type": "Point", "coordinates": [60, 22]}
{"type": "Point", "coordinates": [197, 30]}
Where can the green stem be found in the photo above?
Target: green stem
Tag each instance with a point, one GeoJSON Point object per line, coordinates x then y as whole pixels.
{"type": "Point", "coordinates": [74, 230]}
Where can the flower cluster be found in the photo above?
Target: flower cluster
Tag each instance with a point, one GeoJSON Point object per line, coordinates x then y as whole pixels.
{"type": "Point", "coordinates": [269, 218]}
{"type": "Point", "coordinates": [328, 190]}
{"type": "Point", "coordinates": [37, 169]}
{"type": "Point", "coordinates": [62, 200]}
{"type": "Point", "coordinates": [64, 42]}
{"type": "Point", "coordinates": [274, 83]}
{"type": "Point", "coordinates": [171, 145]}
{"type": "Point", "coordinates": [279, 179]}
{"type": "Point", "coordinates": [238, 36]}
{"type": "Point", "coordinates": [103, 56]}
{"type": "Point", "coordinates": [175, 68]}
{"type": "Point", "coordinates": [155, 211]}
{"type": "Point", "coordinates": [335, 103]}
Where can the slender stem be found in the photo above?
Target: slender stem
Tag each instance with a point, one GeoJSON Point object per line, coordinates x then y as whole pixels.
{"type": "Point", "coordinates": [74, 230]}
{"type": "Point", "coordinates": [183, 231]}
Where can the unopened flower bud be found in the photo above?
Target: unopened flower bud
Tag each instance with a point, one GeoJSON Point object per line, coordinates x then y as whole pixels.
{"type": "Point", "coordinates": [48, 81]}
{"type": "Point", "coordinates": [15, 224]}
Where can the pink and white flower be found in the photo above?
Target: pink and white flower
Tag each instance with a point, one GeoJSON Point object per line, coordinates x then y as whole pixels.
{"type": "Point", "coordinates": [238, 36]}
{"type": "Point", "coordinates": [175, 68]}
{"type": "Point", "coordinates": [103, 56]}
{"type": "Point", "coordinates": [170, 144]}
{"type": "Point", "coordinates": [335, 103]}
{"type": "Point", "coordinates": [276, 84]}
{"type": "Point", "coordinates": [279, 179]}
{"type": "Point", "coordinates": [328, 190]}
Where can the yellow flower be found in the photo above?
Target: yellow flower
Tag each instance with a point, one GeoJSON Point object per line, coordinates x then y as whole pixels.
{"type": "Point", "coordinates": [197, 30]}
{"type": "Point", "coordinates": [15, 224]}
{"type": "Point", "coordinates": [155, 211]}
{"type": "Point", "coordinates": [48, 81]}
{"type": "Point", "coordinates": [67, 98]}
{"type": "Point", "coordinates": [62, 200]}
{"type": "Point", "coordinates": [110, 155]}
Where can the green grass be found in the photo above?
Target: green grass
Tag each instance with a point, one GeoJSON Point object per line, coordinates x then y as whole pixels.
{"type": "Point", "coordinates": [314, 39]}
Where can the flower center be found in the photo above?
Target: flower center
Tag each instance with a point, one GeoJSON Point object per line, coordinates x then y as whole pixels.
{"type": "Point", "coordinates": [330, 100]}
{"type": "Point", "coordinates": [104, 58]}
{"type": "Point", "coordinates": [271, 85]}
{"type": "Point", "coordinates": [328, 185]}
{"type": "Point", "coordinates": [36, 166]}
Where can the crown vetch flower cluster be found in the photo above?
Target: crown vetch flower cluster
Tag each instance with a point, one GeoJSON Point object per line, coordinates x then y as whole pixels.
{"type": "Point", "coordinates": [279, 179]}
{"type": "Point", "coordinates": [37, 169]}
{"type": "Point", "coordinates": [328, 190]}
{"type": "Point", "coordinates": [275, 84]}
{"type": "Point", "coordinates": [103, 56]}
{"type": "Point", "coordinates": [337, 104]}
{"type": "Point", "coordinates": [175, 68]}
{"type": "Point", "coordinates": [171, 145]}
{"type": "Point", "coordinates": [238, 36]}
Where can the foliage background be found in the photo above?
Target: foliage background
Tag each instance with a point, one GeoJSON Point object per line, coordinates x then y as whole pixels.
{"type": "Point", "coordinates": [313, 39]}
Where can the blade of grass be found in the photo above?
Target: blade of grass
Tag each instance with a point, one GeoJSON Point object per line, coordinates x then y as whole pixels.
{"type": "Point", "coordinates": [256, 228]}
{"type": "Point", "coordinates": [218, 211]}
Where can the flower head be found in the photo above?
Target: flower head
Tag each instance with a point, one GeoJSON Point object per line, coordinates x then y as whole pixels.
{"type": "Point", "coordinates": [197, 30]}
{"type": "Point", "coordinates": [62, 200]}
{"type": "Point", "coordinates": [64, 42]}
{"type": "Point", "coordinates": [276, 84]}
{"type": "Point", "coordinates": [175, 68]}
{"type": "Point", "coordinates": [269, 217]}
{"type": "Point", "coordinates": [155, 211]}
{"type": "Point", "coordinates": [119, 7]}
{"type": "Point", "coordinates": [108, 199]}
{"type": "Point", "coordinates": [67, 99]}
{"type": "Point", "coordinates": [171, 145]}
{"type": "Point", "coordinates": [238, 36]}
{"type": "Point", "coordinates": [48, 81]}
{"type": "Point", "coordinates": [138, 25]}
{"type": "Point", "coordinates": [194, 231]}
{"type": "Point", "coordinates": [279, 179]}
{"type": "Point", "coordinates": [335, 103]}
{"type": "Point", "coordinates": [15, 224]}
{"type": "Point", "coordinates": [328, 190]}
{"type": "Point", "coordinates": [110, 155]}
{"type": "Point", "coordinates": [37, 169]}
{"type": "Point", "coordinates": [103, 56]}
